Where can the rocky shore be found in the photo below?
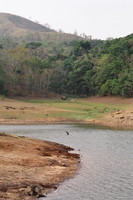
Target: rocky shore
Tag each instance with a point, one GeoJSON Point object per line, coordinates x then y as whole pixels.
{"type": "Point", "coordinates": [31, 168]}
{"type": "Point", "coordinates": [122, 119]}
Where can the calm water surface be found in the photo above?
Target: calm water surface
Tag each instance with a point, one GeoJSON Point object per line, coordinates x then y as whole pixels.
{"type": "Point", "coordinates": [106, 155]}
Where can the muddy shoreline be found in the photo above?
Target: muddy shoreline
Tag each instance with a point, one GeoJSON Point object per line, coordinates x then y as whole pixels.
{"type": "Point", "coordinates": [116, 120]}
{"type": "Point", "coordinates": [32, 168]}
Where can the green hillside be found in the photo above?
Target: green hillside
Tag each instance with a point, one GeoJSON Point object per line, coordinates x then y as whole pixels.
{"type": "Point", "coordinates": [37, 63]}
{"type": "Point", "coordinates": [101, 67]}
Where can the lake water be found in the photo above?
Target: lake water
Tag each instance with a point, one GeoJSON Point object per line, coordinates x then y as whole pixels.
{"type": "Point", "coordinates": [106, 160]}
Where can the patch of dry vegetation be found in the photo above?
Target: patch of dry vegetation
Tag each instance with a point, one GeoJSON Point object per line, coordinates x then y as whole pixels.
{"type": "Point", "coordinates": [110, 111]}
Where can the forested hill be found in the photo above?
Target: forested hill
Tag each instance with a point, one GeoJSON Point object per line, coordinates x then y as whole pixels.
{"type": "Point", "coordinates": [101, 68]}
{"type": "Point", "coordinates": [65, 64]}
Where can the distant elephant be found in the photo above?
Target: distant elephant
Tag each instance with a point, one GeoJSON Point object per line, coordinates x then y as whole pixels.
{"type": "Point", "coordinates": [63, 97]}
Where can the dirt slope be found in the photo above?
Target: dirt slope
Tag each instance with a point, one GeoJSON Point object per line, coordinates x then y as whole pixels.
{"type": "Point", "coordinates": [30, 168]}
{"type": "Point", "coordinates": [122, 119]}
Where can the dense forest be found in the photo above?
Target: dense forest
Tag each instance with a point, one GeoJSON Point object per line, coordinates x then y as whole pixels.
{"type": "Point", "coordinates": [81, 67]}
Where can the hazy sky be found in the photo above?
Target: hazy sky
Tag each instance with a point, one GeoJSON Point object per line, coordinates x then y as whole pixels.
{"type": "Point", "coordinates": [99, 18]}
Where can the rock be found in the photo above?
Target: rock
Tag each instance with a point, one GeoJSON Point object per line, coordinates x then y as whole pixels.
{"type": "Point", "coordinates": [41, 195]}
{"type": "Point", "coordinates": [122, 117]}
{"type": "Point", "coordinates": [65, 165]}
{"type": "Point", "coordinates": [2, 134]}
{"type": "Point", "coordinates": [36, 190]}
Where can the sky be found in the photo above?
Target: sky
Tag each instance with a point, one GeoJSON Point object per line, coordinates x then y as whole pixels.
{"type": "Point", "coordinates": [100, 19]}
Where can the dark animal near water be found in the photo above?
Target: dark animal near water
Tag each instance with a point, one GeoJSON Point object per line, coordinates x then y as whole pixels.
{"type": "Point", "coordinates": [63, 97]}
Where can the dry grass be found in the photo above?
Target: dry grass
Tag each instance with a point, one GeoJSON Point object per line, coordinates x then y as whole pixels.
{"type": "Point", "coordinates": [89, 110]}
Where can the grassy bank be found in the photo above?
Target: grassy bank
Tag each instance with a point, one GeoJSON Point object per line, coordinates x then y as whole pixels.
{"type": "Point", "coordinates": [76, 109]}
{"type": "Point", "coordinates": [50, 110]}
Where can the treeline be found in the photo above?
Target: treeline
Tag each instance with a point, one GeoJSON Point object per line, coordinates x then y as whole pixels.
{"type": "Point", "coordinates": [80, 68]}
{"type": "Point", "coordinates": [101, 67]}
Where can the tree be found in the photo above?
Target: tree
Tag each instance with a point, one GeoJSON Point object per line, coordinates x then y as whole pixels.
{"type": "Point", "coordinates": [3, 79]}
